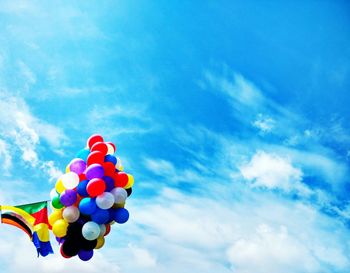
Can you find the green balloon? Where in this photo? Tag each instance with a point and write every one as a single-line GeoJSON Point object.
{"type": "Point", "coordinates": [56, 203]}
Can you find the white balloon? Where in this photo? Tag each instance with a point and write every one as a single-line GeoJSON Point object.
{"type": "Point", "coordinates": [91, 231]}
{"type": "Point", "coordinates": [70, 180]}
{"type": "Point", "coordinates": [71, 214]}
{"type": "Point", "coordinates": [110, 149]}
{"type": "Point", "coordinates": [102, 230]}
{"type": "Point", "coordinates": [53, 193]}
{"type": "Point", "coordinates": [118, 164]}
{"type": "Point", "coordinates": [105, 200]}
{"type": "Point", "coordinates": [120, 195]}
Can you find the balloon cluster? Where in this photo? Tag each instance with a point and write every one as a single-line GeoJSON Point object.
{"type": "Point", "coordinates": [89, 198]}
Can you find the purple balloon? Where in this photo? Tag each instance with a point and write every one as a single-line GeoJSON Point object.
{"type": "Point", "coordinates": [109, 183]}
{"type": "Point", "coordinates": [94, 171]}
{"type": "Point", "coordinates": [85, 255]}
{"type": "Point", "coordinates": [68, 197]}
{"type": "Point", "coordinates": [60, 240]}
{"type": "Point", "coordinates": [77, 165]}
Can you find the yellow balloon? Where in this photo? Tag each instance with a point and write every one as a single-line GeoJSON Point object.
{"type": "Point", "coordinates": [100, 242]}
{"type": "Point", "coordinates": [54, 216]}
{"type": "Point", "coordinates": [130, 182]}
{"type": "Point", "coordinates": [60, 228]}
{"type": "Point", "coordinates": [68, 168]}
{"type": "Point", "coordinates": [119, 205]}
{"type": "Point", "coordinates": [59, 186]}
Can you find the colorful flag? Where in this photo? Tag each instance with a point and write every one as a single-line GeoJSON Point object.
{"type": "Point", "coordinates": [32, 219]}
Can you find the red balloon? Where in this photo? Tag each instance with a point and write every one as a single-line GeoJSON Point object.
{"type": "Point", "coordinates": [93, 139]}
{"type": "Point", "coordinates": [95, 157]}
{"type": "Point", "coordinates": [76, 204]}
{"type": "Point", "coordinates": [95, 187]}
{"type": "Point", "coordinates": [108, 229]}
{"type": "Point", "coordinates": [109, 169]}
{"type": "Point", "coordinates": [101, 147]}
{"type": "Point", "coordinates": [63, 254]}
{"type": "Point", "coordinates": [82, 177]}
{"type": "Point", "coordinates": [120, 179]}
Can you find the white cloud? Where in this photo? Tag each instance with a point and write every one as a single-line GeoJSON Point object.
{"type": "Point", "coordinates": [21, 256]}
{"type": "Point", "coordinates": [142, 257]}
{"type": "Point", "coordinates": [273, 172]}
{"type": "Point", "coordinates": [249, 231]}
{"type": "Point", "coordinates": [273, 251]}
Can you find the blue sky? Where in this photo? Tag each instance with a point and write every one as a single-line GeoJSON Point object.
{"type": "Point", "coordinates": [232, 116]}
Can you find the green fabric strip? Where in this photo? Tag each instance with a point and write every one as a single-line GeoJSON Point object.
{"type": "Point", "coordinates": [33, 208]}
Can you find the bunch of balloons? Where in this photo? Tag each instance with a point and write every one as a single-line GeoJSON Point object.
{"type": "Point", "coordinates": [89, 198]}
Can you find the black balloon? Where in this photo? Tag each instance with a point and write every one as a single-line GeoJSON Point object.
{"type": "Point", "coordinates": [129, 191]}
{"type": "Point", "coordinates": [87, 244]}
{"type": "Point", "coordinates": [74, 228]}
{"type": "Point", "coordinates": [70, 248]}
{"type": "Point", "coordinates": [83, 219]}
{"type": "Point", "coordinates": [74, 233]}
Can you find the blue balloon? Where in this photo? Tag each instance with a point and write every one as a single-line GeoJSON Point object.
{"type": "Point", "coordinates": [83, 154]}
{"type": "Point", "coordinates": [87, 206]}
{"type": "Point", "coordinates": [111, 215]}
{"type": "Point", "coordinates": [111, 158]}
{"type": "Point", "coordinates": [109, 181]}
{"type": "Point", "coordinates": [100, 216]}
{"type": "Point", "coordinates": [81, 188]}
{"type": "Point", "coordinates": [121, 215]}
{"type": "Point", "coordinates": [85, 255]}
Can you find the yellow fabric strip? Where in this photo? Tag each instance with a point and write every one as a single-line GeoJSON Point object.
{"type": "Point", "coordinates": [26, 216]}
{"type": "Point", "coordinates": [43, 232]}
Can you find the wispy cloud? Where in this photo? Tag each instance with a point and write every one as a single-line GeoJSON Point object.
{"type": "Point", "coordinates": [27, 75]}
{"type": "Point", "coordinates": [264, 124]}
{"type": "Point", "coordinates": [237, 88]}
{"type": "Point", "coordinates": [169, 172]}
{"type": "Point", "coordinates": [22, 132]}
{"type": "Point", "coordinates": [251, 105]}
{"type": "Point", "coordinates": [5, 157]}
{"type": "Point", "coordinates": [307, 143]}
{"type": "Point", "coordinates": [133, 120]}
